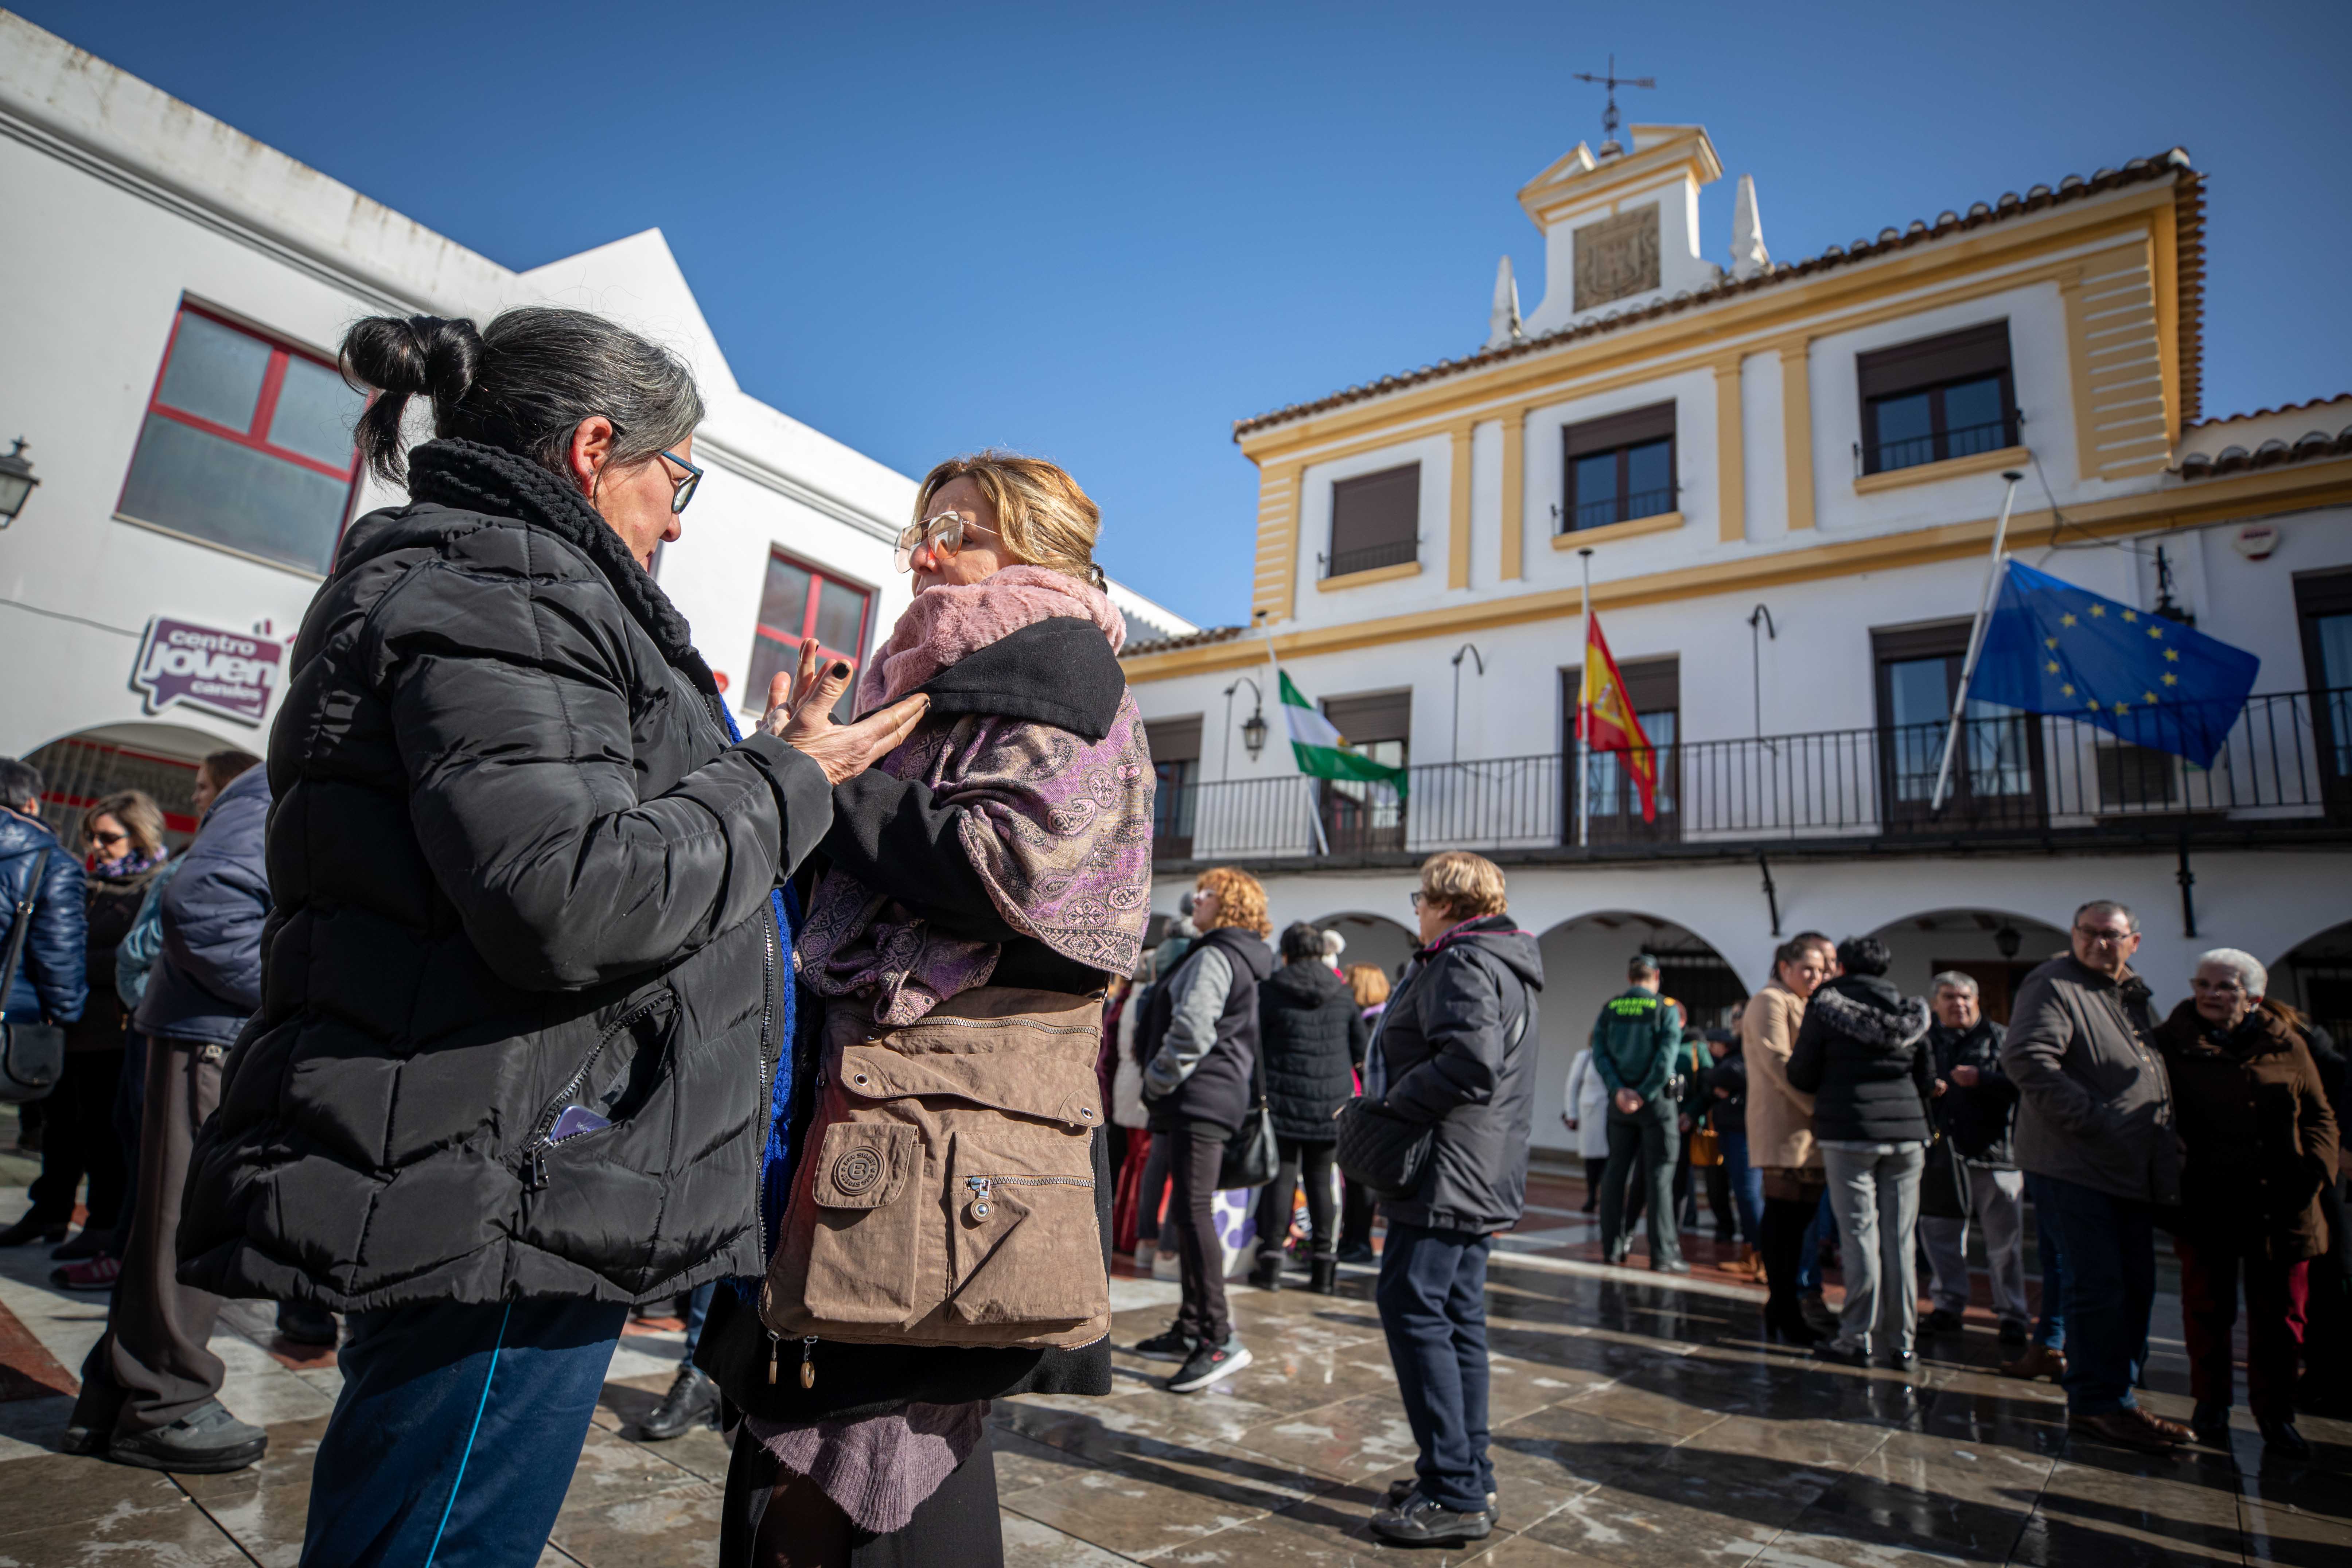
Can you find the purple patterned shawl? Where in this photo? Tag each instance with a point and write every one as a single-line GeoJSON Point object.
{"type": "Point", "coordinates": [1060, 832]}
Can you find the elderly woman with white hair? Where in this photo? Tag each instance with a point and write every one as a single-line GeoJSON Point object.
{"type": "Point", "coordinates": [2258, 1142]}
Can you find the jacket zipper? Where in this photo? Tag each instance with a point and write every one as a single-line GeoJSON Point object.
{"type": "Point", "coordinates": [995, 1024]}
{"type": "Point", "coordinates": [767, 1084]}
{"type": "Point", "coordinates": [535, 1151]}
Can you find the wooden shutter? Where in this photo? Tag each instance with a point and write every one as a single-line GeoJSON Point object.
{"type": "Point", "coordinates": [1626, 429]}
{"type": "Point", "coordinates": [1374, 510]}
{"type": "Point", "coordinates": [1954, 356]}
{"type": "Point", "coordinates": [1652, 685]}
{"type": "Point", "coordinates": [1173, 740]}
{"type": "Point", "coordinates": [1383, 716]}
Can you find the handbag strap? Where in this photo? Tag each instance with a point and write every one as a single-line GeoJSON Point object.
{"type": "Point", "coordinates": [21, 927]}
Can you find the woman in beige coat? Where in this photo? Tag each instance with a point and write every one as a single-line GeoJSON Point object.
{"type": "Point", "coordinates": [1781, 1127]}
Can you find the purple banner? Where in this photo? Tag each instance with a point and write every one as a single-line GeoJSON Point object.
{"type": "Point", "coordinates": [229, 673]}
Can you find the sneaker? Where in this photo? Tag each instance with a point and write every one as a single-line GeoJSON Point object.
{"type": "Point", "coordinates": [1943, 1321]}
{"type": "Point", "coordinates": [1399, 1490]}
{"type": "Point", "coordinates": [89, 1241]}
{"type": "Point", "coordinates": [208, 1441]}
{"type": "Point", "coordinates": [1167, 1266]}
{"type": "Point", "coordinates": [1173, 1345]}
{"type": "Point", "coordinates": [1671, 1265]}
{"type": "Point", "coordinates": [1422, 1521]}
{"type": "Point", "coordinates": [692, 1399]}
{"type": "Point", "coordinates": [1145, 1251]}
{"type": "Point", "coordinates": [1210, 1364]}
{"type": "Point", "coordinates": [98, 1274]}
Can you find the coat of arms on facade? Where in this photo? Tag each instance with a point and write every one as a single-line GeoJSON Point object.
{"type": "Point", "coordinates": [1616, 256]}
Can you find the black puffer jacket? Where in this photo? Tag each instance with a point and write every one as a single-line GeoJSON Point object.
{"type": "Point", "coordinates": [1862, 1053]}
{"type": "Point", "coordinates": [50, 982]}
{"type": "Point", "coordinates": [516, 866]}
{"type": "Point", "coordinates": [1310, 1036]}
{"type": "Point", "coordinates": [1213, 1060]}
{"type": "Point", "coordinates": [1981, 1119]}
{"type": "Point", "coordinates": [1458, 1043]}
{"type": "Point", "coordinates": [206, 981]}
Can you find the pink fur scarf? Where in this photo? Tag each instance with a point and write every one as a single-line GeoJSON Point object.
{"type": "Point", "coordinates": [947, 623]}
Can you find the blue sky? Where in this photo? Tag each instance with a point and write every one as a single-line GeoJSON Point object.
{"type": "Point", "coordinates": [1102, 233]}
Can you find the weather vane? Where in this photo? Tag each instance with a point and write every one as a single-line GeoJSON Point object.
{"type": "Point", "coordinates": [1612, 81]}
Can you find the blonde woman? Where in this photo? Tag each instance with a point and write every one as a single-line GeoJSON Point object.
{"type": "Point", "coordinates": [1199, 1039]}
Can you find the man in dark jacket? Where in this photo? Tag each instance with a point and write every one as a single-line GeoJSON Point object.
{"type": "Point", "coordinates": [1310, 1038]}
{"type": "Point", "coordinates": [1977, 1108]}
{"type": "Point", "coordinates": [512, 1072]}
{"type": "Point", "coordinates": [1457, 1048]}
{"type": "Point", "coordinates": [2095, 1126]}
{"type": "Point", "coordinates": [36, 870]}
{"type": "Point", "coordinates": [149, 1387]}
{"type": "Point", "coordinates": [1636, 1042]}
{"type": "Point", "coordinates": [1198, 1038]}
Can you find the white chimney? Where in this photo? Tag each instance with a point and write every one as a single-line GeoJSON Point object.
{"type": "Point", "coordinates": [1748, 256]}
{"type": "Point", "coordinates": [1503, 321]}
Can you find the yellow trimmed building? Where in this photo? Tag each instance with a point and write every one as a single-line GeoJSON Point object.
{"type": "Point", "coordinates": [1787, 475]}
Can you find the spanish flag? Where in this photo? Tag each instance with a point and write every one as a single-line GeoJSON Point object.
{"type": "Point", "coordinates": [1608, 720]}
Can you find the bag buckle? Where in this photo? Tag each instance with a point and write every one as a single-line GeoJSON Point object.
{"type": "Point", "coordinates": [978, 1208]}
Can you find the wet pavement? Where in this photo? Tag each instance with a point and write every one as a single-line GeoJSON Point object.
{"type": "Point", "coordinates": [1636, 1420]}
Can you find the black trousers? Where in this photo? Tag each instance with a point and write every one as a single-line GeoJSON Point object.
{"type": "Point", "coordinates": [1592, 1170]}
{"type": "Point", "coordinates": [1782, 1246]}
{"type": "Point", "coordinates": [1355, 1214]}
{"type": "Point", "coordinates": [1276, 1203]}
{"type": "Point", "coordinates": [79, 1140]}
{"type": "Point", "coordinates": [1644, 1141]}
{"type": "Point", "coordinates": [1196, 1150]}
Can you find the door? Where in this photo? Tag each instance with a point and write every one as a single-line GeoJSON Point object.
{"type": "Point", "coordinates": [2323, 603]}
{"type": "Point", "coordinates": [1997, 771]}
{"type": "Point", "coordinates": [1361, 818]}
{"type": "Point", "coordinates": [1654, 688]}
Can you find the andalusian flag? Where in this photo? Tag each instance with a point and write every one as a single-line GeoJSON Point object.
{"type": "Point", "coordinates": [1609, 721]}
{"type": "Point", "coordinates": [1322, 752]}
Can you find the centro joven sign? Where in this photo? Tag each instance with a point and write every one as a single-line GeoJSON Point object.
{"type": "Point", "coordinates": [229, 673]}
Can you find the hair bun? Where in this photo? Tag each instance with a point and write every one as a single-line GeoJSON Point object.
{"type": "Point", "coordinates": [426, 356]}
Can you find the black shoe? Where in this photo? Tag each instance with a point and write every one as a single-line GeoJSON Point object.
{"type": "Point", "coordinates": [1901, 1361]}
{"type": "Point", "coordinates": [307, 1323]}
{"type": "Point", "coordinates": [1210, 1364]}
{"type": "Point", "coordinates": [81, 1441]}
{"type": "Point", "coordinates": [1357, 1252]}
{"type": "Point", "coordinates": [1399, 1490]}
{"type": "Point", "coordinates": [1173, 1345]}
{"type": "Point", "coordinates": [1323, 1277]}
{"type": "Point", "coordinates": [2013, 1332]}
{"type": "Point", "coordinates": [1267, 1272]}
{"type": "Point", "coordinates": [1942, 1321]}
{"type": "Point", "coordinates": [1831, 1351]}
{"type": "Point", "coordinates": [89, 1241]}
{"type": "Point", "coordinates": [207, 1442]}
{"type": "Point", "coordinates": [2280, 1438]}
{"type": "Point", "coordinates": [692, 1399]}
{"type": "Point", "coordinates": [1422, 1521]}
{"type": "Point", "coordinates": [1817, 1314]}
{"type": "Point", "coordinates": [34, 1227]}
{"type": "Point", "coordinates": [1788, 1327]}
{"type": "Point", "coordinates": [1616, 1256]}
{"type": "Point", "coordinates": [2211, 1425]}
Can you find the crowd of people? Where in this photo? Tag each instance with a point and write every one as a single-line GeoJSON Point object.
{"type": "Point", "coordinates": [520, 990]}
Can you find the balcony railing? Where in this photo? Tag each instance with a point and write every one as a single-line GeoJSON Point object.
{"type": "Point", "coordinates": [2287, 761]}
{"type": "Point", "coordinates": [1960, 441]}
{"type": "Point", "coordinates": [1371, 557]}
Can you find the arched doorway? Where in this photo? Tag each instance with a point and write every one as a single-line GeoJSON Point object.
{"type": "Point", "coordinates": [1996, 949]}
{"type": "Point", "coordinates": [159, 759]}
{"type": "Point", "coordinates": [1584, 962]}
{"type": "Point", "coordinates": [2316, 976]}
{"type": "Point", "coordinates": [1380, 943]}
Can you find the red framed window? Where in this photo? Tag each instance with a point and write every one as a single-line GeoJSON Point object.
{"type": "Point", "coordinates": [247, 445]}
{"type": "Point", "coordinates": [800, 601]}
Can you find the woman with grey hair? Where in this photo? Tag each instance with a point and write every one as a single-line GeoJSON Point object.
{"type": "Point", "coordinates": [527, 977]}
{"type": "Point", "coordinates": [2258, 1144]}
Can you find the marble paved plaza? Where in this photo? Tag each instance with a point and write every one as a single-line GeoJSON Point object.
{"type": "Point", "coordinates": [1632, 1424]}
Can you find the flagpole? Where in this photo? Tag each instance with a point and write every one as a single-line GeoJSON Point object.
{"type": "Point", "coordinates": [1314, 817]}
{"type": "Point", "coordinates": [1976, 644]}
{"type": "Point", "coordinates": [1584, 711]}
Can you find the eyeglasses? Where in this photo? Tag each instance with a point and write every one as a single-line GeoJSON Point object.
{"type": "Point", "coordinates": [1417, 898]}
{"type": "Point", "coordinates": [945, 533]}
{"type": "Point", "coordinates": [680, 491]}
{"type": "Point", "coordinates": [2110, 938]}
{"type": "Point", "coordinates": [97, 835]}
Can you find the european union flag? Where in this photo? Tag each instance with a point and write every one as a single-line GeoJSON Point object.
{"type": "Point", "coordinates": [2052, 648]}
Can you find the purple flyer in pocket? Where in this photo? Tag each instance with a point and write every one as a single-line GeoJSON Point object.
{"type": "Point", "coordinates": [575, 1119]}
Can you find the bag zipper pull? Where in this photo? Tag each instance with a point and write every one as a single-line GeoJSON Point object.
{"type": "Point", "coordinates": [535, 1171]}
{"type": "Point", "coordinates": [979, 1185]}
{"type": "Point", "coordinates": [808, 1367]}
{"type": "Point", "coordinates": [773, 1352]}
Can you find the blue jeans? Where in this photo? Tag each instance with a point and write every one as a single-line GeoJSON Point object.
{"type": "Point", "coordinates": [2050, 1331]}
{"type": "Point", "coordinates": [457, 1433]}
{"type": "Point", "coordinates": [2109, 1245]}
{"type": "Point", "coordinates": [698, 1306]}
{"type": "Point", "coordinates": [1808, 1265]}
{"type": "Point", "coordinates": [1432, 1301]}
{"type": "Point", "coordinates": [1747, 1187]}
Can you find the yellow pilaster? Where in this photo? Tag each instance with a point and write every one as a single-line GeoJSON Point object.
{"type": "Point", "coordinates": [1457, 537]}
{"type": "Point", "coordinates": [1515, 475]}
{"type": "Point", "coordinates": [1797, 429]}
{"type": "Point", "coordinates": [1730, 455]}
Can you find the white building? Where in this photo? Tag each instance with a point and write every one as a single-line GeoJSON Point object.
{"type": "Point", "coordinates": [171, 298]}
{"type": "Point", "coordinates": [1788, 477]}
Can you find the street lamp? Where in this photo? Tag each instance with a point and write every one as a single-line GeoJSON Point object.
{"type": "Point", "coordinates": [17, 482]}
{"type": "Point", "coordinates": [1253, 728]}
{"type": "Point", "coordinates": [1453, 753]}
{"type": "Point", "coordinates": [2008, 939]}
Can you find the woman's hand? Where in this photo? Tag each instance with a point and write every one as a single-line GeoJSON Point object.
{"type": "Point", "coordinates": [799, 712]}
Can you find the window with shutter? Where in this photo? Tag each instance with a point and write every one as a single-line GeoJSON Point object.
{"type": "Point", "coordinates": [1175, 746]}
{"type": "Point", "coordinates": [1375, 521]}
{"type": "Point", "coordinates": [1359, 818]}
{"type": "Point", "coordinates": [1654, 686]}
{"type": "Point", "coordinates": [1618, 468]}
{"type": "Point", "coordinates": [1948, 396]}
